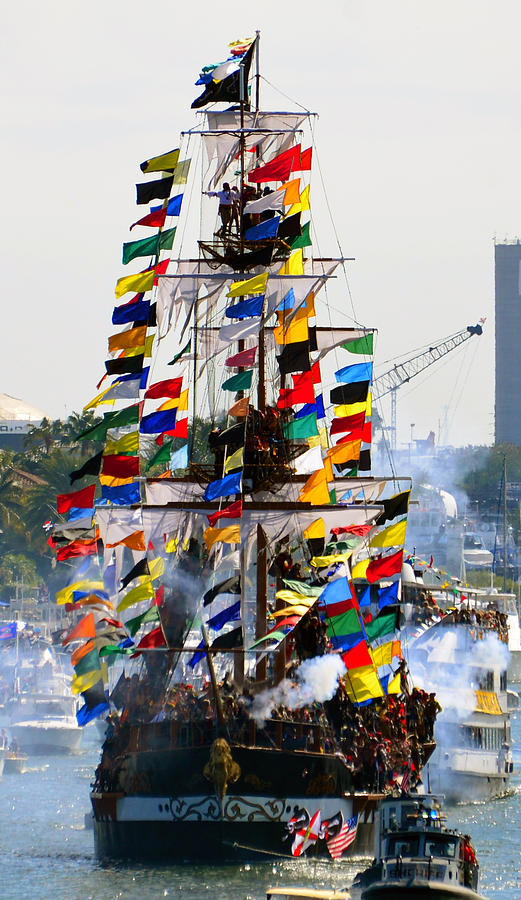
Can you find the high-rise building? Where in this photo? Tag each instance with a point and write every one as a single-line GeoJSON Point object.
{"type": "Point", "coordinates": [508, 343]}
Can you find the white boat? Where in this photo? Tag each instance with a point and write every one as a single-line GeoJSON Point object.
{"type": "Point", "coordinates": [416, 856]}
{"type": "Point", "coordinates": [464, 658]}
{"type": "Point", "coordinates": [288, 893]}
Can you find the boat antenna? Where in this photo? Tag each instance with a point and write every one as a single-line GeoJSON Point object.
{"type": "Point", "coordinates": [257, 67]}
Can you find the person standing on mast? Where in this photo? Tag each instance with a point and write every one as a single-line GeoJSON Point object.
{"type": "Point", "coordinates": [226, 202]}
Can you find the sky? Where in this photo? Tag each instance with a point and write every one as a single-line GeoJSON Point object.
{"type": "Point", "coordinates": [419, 147]}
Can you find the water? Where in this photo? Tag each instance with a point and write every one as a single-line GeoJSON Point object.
{"type": "Point", "coordinates": [47, 853]}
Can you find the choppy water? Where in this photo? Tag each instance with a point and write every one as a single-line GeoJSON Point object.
{"type": "Point", "coordinates": [47, 854]}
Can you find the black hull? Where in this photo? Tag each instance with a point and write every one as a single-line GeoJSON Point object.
{"type": "Point", "coordinates": [420, 891]}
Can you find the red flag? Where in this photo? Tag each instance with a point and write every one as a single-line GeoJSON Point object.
{"type": "Point", "coordinates": [315, 373]}
{"type": "Point", "coordinates": [234, 511]}
{"type": "Point", "coordinates": [118, 466]}
{"type": "Point", "coordinates": [115, 622]}
{"type": "Point", "coordinates": [83, 499]}
{"type": "Point", "coordinates": [171, 388]}
{"type": "Point", "coordinates": [279, 168]}
{"type": "Point", "coordinates": [301, 392]}
{"type": "Point", "coordinates": [305, 160]}
{"type": "Point", "coordinates": [160, 596]}
{"type": "Point", "coordinates": [154, 638]}
{"type": "Point", "coordinates": [357, 657]}
{"type": "Point", "coordinates": [161, 268]}
{"type": "Point", "coordinates": [77, 548]}
{"type": "Point", "coordinates": [384, 567]}
{"type": "Point", "coordinates": [180, 430]}
{"type": "Point", "coordinates": [84, 629]}
{"type": "Point", "coordinates": [343, 606]}
{"type": "Point", "coordinates": [244, 358]}
{"type": "Point", "coordinates": [155, 219]}
{"type": "Point", "coordinates": [359, 434]}
{"type": "Point", "coordinates": [359, 530]}
{"type": "Point", "coordinates": [347, 423]}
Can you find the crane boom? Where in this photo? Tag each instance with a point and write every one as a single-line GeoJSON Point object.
{"type": "Point", "coordinates": [401, 373]}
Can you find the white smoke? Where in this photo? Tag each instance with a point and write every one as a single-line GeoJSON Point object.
{"type": "Point", "coordinates": [315, 681]}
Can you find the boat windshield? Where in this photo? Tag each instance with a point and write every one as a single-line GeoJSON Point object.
{"type": "Point", "coordinates": [440, 846]}
{"type": "Point", "coordinates": [403, 846]}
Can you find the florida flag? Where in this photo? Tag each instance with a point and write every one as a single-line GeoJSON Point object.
{"type": "Point", "coordinates": [306, 836]}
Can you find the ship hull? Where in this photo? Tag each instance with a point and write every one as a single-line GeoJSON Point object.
{"type": "Point", "coordinates": [42, 738]}
{"type": "Point", "coordinates": [467, 787]}
{"type": "Point", "coordinates": [418, 891]}
{"type": "Point", "coordinates": [201, 829]}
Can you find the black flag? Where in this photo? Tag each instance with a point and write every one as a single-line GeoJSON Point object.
{"type": "Point", "coordinates": [229, 89]}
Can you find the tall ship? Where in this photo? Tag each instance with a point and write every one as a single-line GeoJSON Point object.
{"type": "Point", "coordinates": [236, 606]}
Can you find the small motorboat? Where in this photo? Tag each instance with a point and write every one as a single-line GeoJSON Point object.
{"type": "Point", "coordinates": [14, 763]}
{"type": "Point", "coordinates": [288, 893]}
{"type": "Point", "coordinates": [417, 856]}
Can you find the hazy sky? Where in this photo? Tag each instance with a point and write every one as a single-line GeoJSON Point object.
{"type": "Point", "coordinates": [419, 144]}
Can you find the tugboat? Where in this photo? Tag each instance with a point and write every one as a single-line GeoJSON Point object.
{"type": "Point", "coordinates": [416, 856]}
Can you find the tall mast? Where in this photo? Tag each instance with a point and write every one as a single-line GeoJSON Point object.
{"type": "Point", "coordinates": [505, 524]}
{"type": "Point", "coordinates": [257, 75]}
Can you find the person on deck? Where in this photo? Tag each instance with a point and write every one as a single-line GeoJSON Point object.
{"type": "Point", "coordinates": [226, 204]}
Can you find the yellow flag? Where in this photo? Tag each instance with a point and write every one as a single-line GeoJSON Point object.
{"type": "Point", "coordinates": [143, 281]}
{"type": "Point", "coordinates": [255, 285]}
{"type": "Point", "coordinates": [181, 171]}
{"type": "Point", "coordinates": [319, 439]}
{"type": "Point", "coordinates": [294, 265]}
{"type": "Point", "coordinates": [302, 204]}
{"type": "Point", "coordinates": [229, 535]}
{"type": "Point", "coordinates": [360, 569]}
{"type": "Point", "coordinates": [161, 163]}
{"type": "Point", "coordinates": [65, 594]}
{"type": "Point", "coordinates": [84, 682]}
{"type": "Point", "coordinates": [124, 340]}
{"type": "Point", "coordinates": [320, 562]}
{"type": "Point", "coordinates": [363, 684]}
{"type": "Point", "coordinates": [99, 399]}
{"type": "Point", "coordinates": [156, 567]}
{"type": "Point", "coordinates": [385, 653]}
{"type": "Point", "coordinates": [234, 461]}
{"type": "Point", "coordinates": [171, 545]}
{"type": "Point", "coordinates": [291, 191]}
{"type": "Point", "coordinates": [180, 403]}
{"type": "Point", "coordinates": [395, 686]}
{"type": "Point", "coordinates": [141, 592]}
{"type": "Point", "coordinates": [112, 481]}
{"type": "Point", "coordinates": [328, 468]}
{"type": "Point", "coordinates": [297, 330]}
{"type": "Point", "coordinates": [310, 304]}
{"type": "Point", "coordinates": [294, 597]}
{"type": "Point", "coordinates": [128, 444]}
{"type": "Point", "coordinates": [296, 610]}
{"type": "Point", "coordinates": [342, 453]}
{"type": "Point", "coordinates": [315, 490]}
{"type": "Point", "coordinates": [353, 409]}
{"type": "Point", "coordinates": [145, 348]}
{"type": "Point", "coordinates": [390, 537]}
{"type": "Point", "coordinates": [317, 529]}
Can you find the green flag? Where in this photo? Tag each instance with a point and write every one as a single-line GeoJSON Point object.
{"type": "Point", "coordinates": [361, 345]}
{"type": "Point", "coordinates": [240, 382]}
{"type": "Point", "coordinates": [98, 432]}
{"type": "Point", "coordinates": [150, 246]}
{"type": "Point", "coordinates": [301, 428]}
{"type": "Point", "coordinates": [181, 353]}
{"type": "Point", "coordinates": [381, 626]}
{"type": "Point", "coordinates": [88, 663]}
{"type": "Point", "coordinates": [133, 625]}
{"type": "Point", "coordinates": [113, 650]}
{"type": "Point", "coordinates": [303, 240]}
{"type": "Point", "coordinates": [162, 456]}
{"type": "Point", "coordinates": [345, 623]}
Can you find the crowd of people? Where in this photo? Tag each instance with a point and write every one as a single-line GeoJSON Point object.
{"type": "Point", "coordinates": [231, 206]}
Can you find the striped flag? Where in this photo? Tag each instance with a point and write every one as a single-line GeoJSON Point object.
{"type": "Point", "coordinates": [405, 781]}
{"type": "Point", "coordinates": [306, 836]}
{"type": "Point", "coordinates": [339, 842]}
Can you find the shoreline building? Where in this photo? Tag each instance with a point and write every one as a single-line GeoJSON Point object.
{"type": "Point", "coordinates": [508, 337]}
{"type": "Point", "coordinates": [16, 417]}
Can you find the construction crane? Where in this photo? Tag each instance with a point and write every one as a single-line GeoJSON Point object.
{"type": "Point", "coordinates": [401, 373]}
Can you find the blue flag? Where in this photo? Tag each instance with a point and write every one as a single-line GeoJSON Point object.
{"type": "Point", "coordinates": [158, 422]}
{"type": "Point", "coordinates": [231, 614]}
{"type": "Point", "coordinates": [358, 372]}
{"type": "Point", "coordinates": [223, 487]}
{"type": "Point", "coordinates": [77, 512]}
{"type": "Point", "coordinates": [267, 229]}
{"type": "Point", "coordinates": [8, 631]}
{"type": "Point", "coordinates": [142, 377]}
{"type": "Point", "coordinates": [173, 208]}
{"type": "Point", "coordinates": [86, 713]}
{"type": "Point", "coordinates": [80, 595]}
{"type": "Point", "coordinates": [196, 657]}
{"type": "Point", "coordinates": [246, 308]}
{"type": "Point", "coordinates": [316, 407]}
{"type": "Point", "coordinates": [388, 595]}
{"type": "Point", "coordinates": [179, 458]}
{"type": "Point", "coordinates": [287, 302]}
{"type": "Point", "coordinates": [122, 496]}
{"type": "Point", "coordinates": [335, 592]}
{"type": "Point", "coordinates": [365, 599]}
{"type": "Point", "coordinates": [131, 312]}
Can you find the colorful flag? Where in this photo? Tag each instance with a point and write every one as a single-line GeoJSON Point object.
{"type": "Point", "coordinates": [158, 422]}
{"type": "Point", "coordinates": [294, 358]}
{"type": "Point", "coordinates": [240, 408]}
{"type": "Point", "coordinates": [246, 308]}
{"type": "Point", "coordinates": [151, 190]}
{"type": "Point", "coordinates": [133, 625]}
{"type": "Point", "coordinates": [7, 631]}
{"type": "Point", "coordinates": [307, 836]}
{"type": "Point", "coordinates": [122, 496]}
{"type": "Point", "coordinates": [154, 219]}
{"type": "Point", "coordinates": [77, 548]}
{"type": "Point", "coordinates": [240, 382]}
{"type": "Point", "coordinates": [229, 586]}
{"type": "Point", "coordinates": [234, 461]}
{"type": "Point", "coordinates": [243, 358]}
{"type": "Point", "coordinates": [392, 536]}
{"type": "Point", "coordinates": [83, 499]}
{"type": "Point", "coordinates": [254, 285]}
{"type": "Point", "coordinates": [179, 459]}
{"type": "Point", "coordinates": [315, 490]}
{"type": "Point", "coordinates": [134, 541]}
{"type": "Point", "coordinates": [119, 466]}
{"type": "Point", "coordinates": [171, 387]}
{"type": "Point", "coordinates": [299, 429]}
{"type": "Point", "coordinates": [360, 372]}
{"type": "Point", "coordinates": [233, 511]}
{"type": "Point", "coordinates": [394, 506]}
{"type": "Point", "coordinates": [84, 629]}
{"type": "Point", "coordinates": [362, 345]}
{"type": "Point", "coordinates": [279, 168]}
{"type": "Point", "coordinates": [231, 534]}
{"type": "Point", "coordinates": [224, 487]}
{"type": "Point", "coordinates": [163, 163]}
{"type": "Point", "coordinates": [231, 88]}
{"type": "Point", "coordinates": [91, 467]}
{"type": "Point", "coordinates": [346, 394]}
{"type": "Point", "coordinates": [144, 591]}
{"type": "Point", "coordinates": [339, 840]}
{"type": "Point", "coordinates": [150, 246]}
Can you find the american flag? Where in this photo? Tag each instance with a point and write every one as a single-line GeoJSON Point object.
{"type": "Point", "coordinates": [405, 782]}
{"type": "Point", "coordinates": [343, 838]}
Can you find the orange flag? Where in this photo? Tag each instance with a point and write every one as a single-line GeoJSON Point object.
{"type": "Point", "coordinates": [342, 453]}
{"type": "Point", "coordinates": [84, 629]}
{"type": "Point", "coordinates": [81, 652]}
{"type": "Point", "coordinates": [124, 340]}
{"type": "Point", "coordinates": [89, 601]}
{"type": "Point", "coordinates": [134, 541]}
{"type": "Point", "coordinates": [240, 408]}
{"type": "Point", "coordinates": [315, 489]}
{"type": "Point", "coordinates": [229, 535]}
